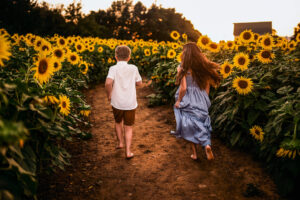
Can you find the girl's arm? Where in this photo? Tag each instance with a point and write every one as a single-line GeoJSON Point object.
{"type": "Point", "coordinates": [182, 91]}
{"type": "Point", "coordinates": [207, 88]}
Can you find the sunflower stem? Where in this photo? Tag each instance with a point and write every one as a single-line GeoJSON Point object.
{"type": "Point", "coordinates": [55, 113]}
{"type": "Point", "coordinates": [295, 129]}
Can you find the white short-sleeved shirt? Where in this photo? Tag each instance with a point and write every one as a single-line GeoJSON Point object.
{"type": "Point", "coordinates": [125, 76]}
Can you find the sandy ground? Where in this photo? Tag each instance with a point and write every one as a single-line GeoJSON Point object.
{"type": "Point", "coordinates": [162, 167]}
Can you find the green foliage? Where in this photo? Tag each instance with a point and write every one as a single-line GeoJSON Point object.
{"type": "Point", "coordinates": [32, 132]}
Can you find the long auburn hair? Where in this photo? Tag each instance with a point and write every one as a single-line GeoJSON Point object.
{"type": "Point", "coordinates": [203, 70]}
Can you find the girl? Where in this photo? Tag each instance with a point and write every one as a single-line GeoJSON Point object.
{"type": "Point", "coordinates": [195, 75]}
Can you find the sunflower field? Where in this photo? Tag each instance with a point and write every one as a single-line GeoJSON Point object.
{"type": "Point", "coordinates": [42, 105]}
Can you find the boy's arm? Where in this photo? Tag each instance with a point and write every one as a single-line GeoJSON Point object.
{"type": "Point", "coordinates": [108, 87]}
{"type": "Point", "coordinates": [182, 91]}
{"type": "Point", "coordinates": [139, 83]}
{"type": "Point", "coordinates": [138, 78]}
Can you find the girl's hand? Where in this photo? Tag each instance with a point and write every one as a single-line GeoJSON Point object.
{"type": "Point", "coordinates": [177, 104]}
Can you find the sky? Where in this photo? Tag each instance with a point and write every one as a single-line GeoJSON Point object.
{"type": "Point", "coordinates": [215, 18]}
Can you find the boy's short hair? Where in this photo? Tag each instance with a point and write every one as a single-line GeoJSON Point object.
{"type": "Point", "coordinates": [122, 52]}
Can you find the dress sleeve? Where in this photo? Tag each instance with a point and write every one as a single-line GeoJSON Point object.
{"type": "Point", "coordinates": [111, 73]}
{"type": "Point", "coordinates": [137, 76]}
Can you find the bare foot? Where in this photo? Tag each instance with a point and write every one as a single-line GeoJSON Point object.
{"type": "Point", "coordinates": [209, 153]}
{"type": "Point", "coordinates": [129, 156]}
{"type": "Point", "coordinates": [194, 157]}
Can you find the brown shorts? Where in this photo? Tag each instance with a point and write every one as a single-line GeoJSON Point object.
{"type": "Point", "coordinates": [127, 115]}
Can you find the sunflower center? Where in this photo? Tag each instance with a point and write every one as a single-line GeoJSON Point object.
{"type": "Point", "coordinates": [255, 37]}
{"type": "Point", "coordinates": [43, 66]}
{"type": "Point", "coordinates": [79, 47]}
{"type": "Point", "coordinates": [55, 65]}
{"type": "Point", "coordinates": [251, 57]}
{"type": "Point", "coordinates": [227, 69]}
{"type": "Point", "coordinates": [229, 44]}
{"type": "Point", "coordinates": [241, 60]}
{"type": "Point", "coordinates": [45, 48]}
{"type": "Point", "coordinates": [204, 41]}
{"type": "Point", "coordinates": [291, 45]}
{"type": "Point", "coordinates": [243, 84]}
{"type": "Point", "coordinates": [38, 43]}
{"type": "Point", "coordinates": [257, 132]}
{"type": "Point", "coordinates": [267, 42]}
{"type": "Point", "coordinates": [266, 54]}
{"type": "Point", "coordinates": [213, 46]}
{"type": "Point", "coordinates": [64, 105]}
{"type": "Point", "coordinates": [73, 57]}
{"type": "Point", "coordinates": [247, 36]}
{"type": "Point", "coordinates": [62, 42]}
{"type": "Point", "coordinates": [58, 53]}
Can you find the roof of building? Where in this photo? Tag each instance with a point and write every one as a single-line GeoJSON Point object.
{"type": "Point", "coordinates": [257, 27]}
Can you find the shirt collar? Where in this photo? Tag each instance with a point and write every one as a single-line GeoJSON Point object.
{"type": "Point", "coordinates": [121, 62]}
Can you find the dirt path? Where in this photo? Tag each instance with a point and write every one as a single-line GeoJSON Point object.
{"type": "Point", "coordinates": [161, 168]}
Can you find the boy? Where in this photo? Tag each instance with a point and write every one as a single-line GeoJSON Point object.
{"type": "Point", "coordinates": [121, 92]}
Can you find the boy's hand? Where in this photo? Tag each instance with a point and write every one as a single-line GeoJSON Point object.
{"type": "Point", "coordinates": [177, 104]}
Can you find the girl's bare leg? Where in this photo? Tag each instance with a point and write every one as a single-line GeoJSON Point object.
{"type": "Point", "coordinates": [209, 154]}
{"type": "Point", "coordinates": [194, 155]}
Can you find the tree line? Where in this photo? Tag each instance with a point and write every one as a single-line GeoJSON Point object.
{"type": "Point", "coordinates": [122, 20]}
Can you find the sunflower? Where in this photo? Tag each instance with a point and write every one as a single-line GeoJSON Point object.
{"type": "Point", "coordinates": [257, 133]}
{"type": "Point", "coordinates": [246, 36]}
{"type": "Point", "coordinates": [266, 42]}
{"type": "Point", "coordinates": [84, 67]}
{"type": "Point", "coordinates": [45, 48]}
{"type": "Point", "coordinates": [251, 57]}
{"type": "Point", "coordinates": [43, 68]}
{"type": "Point", "coordinates": [242, 85]}
{"type": "Point", "coordinates": [229, 45]}
{"type": "Point", "coordinates": [4, 49]}
{"type": "Point", "coordinates": [59, 54]}
{"type": "Point", "coordinates": [175, 45]}
{"type": "Point", "coordinates": [184, 36]}
{"type": "Point", "coordinates": [70, 41]}
{"type": "Point", "coordinates": [226, 69]}
{"type": "Point", "coordinates": [56, 65]}
{"type": "Point", "coordinates": [175, 35]}
{"type": "Point", "coordinates": [241, 60]}
{"type": "Point", "coordinates": [282, 152]}
{"type": "Point", "coordinates": [73, 58]}
{"type": "Point", "coordinates": [154, 50]}
{"type": "Point", "coordinates": [79, 47]}
{"type": "Point", "coordinates": [85, 113]}
{"type": "Point", "coordinates": [171, 54]}
{"type": "Point", "coordinates": [213, 47]}
{"type": "Point", "coordinates": [100, 49]}
{"type": "Point", "coordinates": [297, 38]}
{"type": "Point", "coordinates": [61, 42]}
{"type": "Point", "coordinates": [178, 58]}
{"type": "Point", "coordinates": [147, 52]}
{"type": "Point", "coordinates": [292, 45]}
{"type": "Point", "coordinates": [64, 104]}
{"type": "Point", "coordinates": [203, 41]}
{"type": "Point", "coordinates": [265, 56]}
{"type": "Point", "coordinates": [50, 100]}
{"type": "Point", "coordinates": [284, 45]}
{"type": "Point", "coordinates": [91, 48]}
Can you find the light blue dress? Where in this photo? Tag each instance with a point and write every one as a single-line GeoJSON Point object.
{"type": "Point", "coordinates": [192, 118]}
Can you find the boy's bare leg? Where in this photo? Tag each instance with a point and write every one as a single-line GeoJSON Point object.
{"type": "Point", "coordinates": [194, 155]}
{"type": "Point", "coordinates": [128, 139]}
{"type": "Point", "coordinates": [120, 136]}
